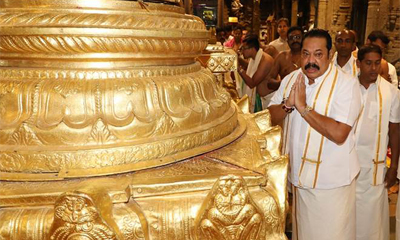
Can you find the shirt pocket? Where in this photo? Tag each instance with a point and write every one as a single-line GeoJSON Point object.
{"type": "Point", "coordinates": [373, 111]}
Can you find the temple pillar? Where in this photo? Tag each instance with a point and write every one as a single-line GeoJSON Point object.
{"type": "Point", "coordinates": [340, 17]}
{"type": "Point", "coordinates": [322, 14]}
{"type": "Point", "coordinates": [188, 4]}
{"type": "Point", "coordinates": [256, 17]}
{"type": "Point", "coordinates": [372, 16]}
{"type": "Point", "coordinates": [295, 5]}
{"type": "Point", "coordinates": [220, 14]}
{"type": "Point", "coordinates": [384, 15]}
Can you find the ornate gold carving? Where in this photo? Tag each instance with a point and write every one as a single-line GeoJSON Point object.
{"type": "Point", "coordinates": [121, 159]}
{"type": "Point", "coordinates": [138, 21]}
{"type": "Point", "coordinates": [25, 223]}
{"type": "Point", "coordinates": [24, 136]}
{"type": "Point", "coordinates": [76, 217]}
{"type": "Point", "coordinates": [73, 74]}
{"type": "Point", "coordinates": [78, 44]}
{"type": "Point", "coordinates": [230, 213]}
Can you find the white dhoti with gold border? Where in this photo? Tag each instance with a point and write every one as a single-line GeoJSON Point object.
{"type": "Point", "coordinates": [372, 208]}
{"type": "Point", "coordinates": [324, 214]}
{"type": "Point", "coordinates": [398, 218]}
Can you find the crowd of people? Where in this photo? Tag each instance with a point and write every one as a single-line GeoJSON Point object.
{"type": "Point", "coordinates": [340, 113]}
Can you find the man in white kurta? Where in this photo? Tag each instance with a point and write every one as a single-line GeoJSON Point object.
{"type": "Point", "coordinates": [320, 104]}
{"type": "Point", "coordinates": [281, 43]}
{"type": "Point", "coordinates": [345, 44]}
{"type": "Point", "coordinates": [378, 123]}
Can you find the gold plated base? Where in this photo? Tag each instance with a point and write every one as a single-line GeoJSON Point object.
{"type": "Point", "coordinates": [204, 197]}
{"type": "Point", "coordinates": [110, 129]}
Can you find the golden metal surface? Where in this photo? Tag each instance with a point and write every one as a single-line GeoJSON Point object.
{"type": "Point", "coordinates": [110, 129]}
{"type": "Point", "coordinates": [222, 63]}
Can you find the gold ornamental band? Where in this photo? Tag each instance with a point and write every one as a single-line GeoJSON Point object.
{"type": "Point", "coordinates": [56, 165]}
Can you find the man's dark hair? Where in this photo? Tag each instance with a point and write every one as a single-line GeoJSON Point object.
{"type": "Point", "coordinates": [217, 30]}
{"type": "Point", "coordinates": [375, 35]}
{"type": "Point", "coordinates": [251, 41]}
{"type": "Point", "coordinates": [238, 27]}
{"type": "Point", "coordinates": [319, 33]}
{"type": "Point", "coordinates": [368, 49]}
{"type": "Point", "coordinates": [228, 28]}
{"type": "Point", "coordinates": [294, 28]}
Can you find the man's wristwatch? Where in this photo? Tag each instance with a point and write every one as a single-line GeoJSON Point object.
{"type": "Point", "coordinates": [306, 111]}
{"type": "Point", "coordinates": [286, 108]}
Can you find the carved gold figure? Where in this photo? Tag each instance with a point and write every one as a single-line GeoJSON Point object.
{"type": "Point", "coordinates": [110, 129]}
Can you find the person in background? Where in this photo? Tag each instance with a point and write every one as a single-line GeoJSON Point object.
{"type": "Point", "coordinates": [380, 39]}
{"type": "Point", "coordinates": [281, 43]}
{"type": "Point", "coordinates": [345, 43]}
{"type": "Point", "coordinates": [221, 35]}
{"type": "Point", "coordinates": [236, 41]}
{"type": "Point", "coordinates": [253, 71]}
{"type": "Point", "coordinates": [378, 124]}
{"type": "Point", "coordinates": [285, 63]}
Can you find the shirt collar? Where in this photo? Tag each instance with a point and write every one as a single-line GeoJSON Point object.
{"type": "Point", "coordinates": [318, 79]}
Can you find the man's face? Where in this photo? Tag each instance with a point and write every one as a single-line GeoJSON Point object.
{"type": "Point", "coordinates": [245, 50]}
{"type": "Point", "coordinates": [370, 66]}
{"type": "Point", "coordinates": [294, 40]}
{"type": "Point", "coordinates": [237, 34]}
{"type": "Point", "coordinates": [344, 43]}
{"type": "Point", "coordinates": [221, 36]}
{"type": "Point", "coordinates": [282, 29]}
{"type": "Point", "coordinates": [314, 57]}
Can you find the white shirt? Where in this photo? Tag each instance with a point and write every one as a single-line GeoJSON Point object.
{"type": "Point", "coordinates": [339, 162]}
{"type": "Point", "coordinates": [280, 44]}
{"type": "Point", "coordinates": [393, 75]}
{"type": "Point", "coordinates": [350, 67]}
{"type": "Point", "coordinates": [368, 124]}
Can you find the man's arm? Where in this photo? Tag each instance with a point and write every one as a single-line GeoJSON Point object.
{"type": "Point", "coordinates": [272, 78]}
{"type": "Point", "coordinates": [335, 131]}
{"type": "Point", "coordinates": [277, 112]}
{"type": "Point", "coordinates": [262, 71]}
{"type": "Point", "coordinates": [243, 63]}
{"type": "Point", "coordinates": [394, 136]}
{"type": "Point", "coordinates": [263, 88]}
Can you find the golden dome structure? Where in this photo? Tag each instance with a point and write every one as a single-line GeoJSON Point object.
{"type": "Point", "coordinates": [110, 129]}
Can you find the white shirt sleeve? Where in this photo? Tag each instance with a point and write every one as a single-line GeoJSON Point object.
{"type": "Point", "coordinates": [395, 106]}
{"type": "Point", "coordinates": [393, 75]}
{"type": "Point", "coordinates": [347, 103]}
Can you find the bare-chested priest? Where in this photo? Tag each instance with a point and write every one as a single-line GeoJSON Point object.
{"type": "Point", "coordinates": [285, 63]}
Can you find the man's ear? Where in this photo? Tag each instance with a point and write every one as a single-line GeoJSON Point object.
{"type": "Point", "coordinates": [368, 41]}
{"type": "Point", "coordinates": [358, 63]}
{"type": "Point", "coordinates": [331, 53]}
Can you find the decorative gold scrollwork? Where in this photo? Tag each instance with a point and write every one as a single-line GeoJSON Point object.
{"type": "Point", "coordinates": [229, 212]}
{"type": "Point", "coordinates": [76, 217]}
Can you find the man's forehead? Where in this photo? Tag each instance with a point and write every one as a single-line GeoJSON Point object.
{"type": "Point", "coordinates": [315, 43]}
{"type": "Point", "coordinates": [282, 23]}
{"type": "Point", "coordinates": [343, 35]}
{"type": "Point", "coordinates": [295, 32]}
{"type": "Point", "coordinates": [372, 56]}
